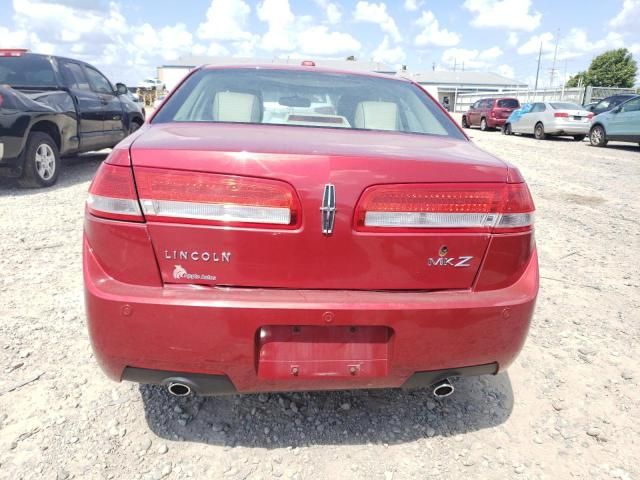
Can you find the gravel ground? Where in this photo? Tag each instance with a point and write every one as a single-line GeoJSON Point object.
{"type": "Point", "coordinates": [569, 406]}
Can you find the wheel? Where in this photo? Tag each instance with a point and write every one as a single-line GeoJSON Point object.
{"type": "Point", "coordinates": [506, 130]}
{"type": "Point", "coordinates": [579, 138]}
{"type": "Point", "coordinates": [41, 162]}
{"type": "Point", "coordinates": [598, 137]}
{"type": "Point", "coordinates": [538, 132]}
{"type": "Point", "coordinates": [135, 125]}
{"type": "Point", "coordinates": [483, 125]}
{"type": "Point", "coordinates": [465, 124]}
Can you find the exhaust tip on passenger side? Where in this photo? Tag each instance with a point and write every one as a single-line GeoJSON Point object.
{"type": "Point", "coordinates": [443, 388]}
{"type": "Point", "coordinates": [178, 389]}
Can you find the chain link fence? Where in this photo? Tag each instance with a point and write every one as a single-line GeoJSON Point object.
{"type": "Point", "coordinates": [579, 95]}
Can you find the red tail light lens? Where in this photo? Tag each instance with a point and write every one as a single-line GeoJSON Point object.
{"type": "Point", "coordinates": [112, 194]}
{"type": "Point", "coordinates": [561, 115]}
{"type": "Point", "coordinates": [410, 207]}
{"type": "Point", "coordinates": [196, 197]}
{"type": "Point", "coordinates": [590, 115]}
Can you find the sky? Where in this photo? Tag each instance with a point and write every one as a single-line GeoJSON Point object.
{"type": "Point", "coordinates": [127, 40]}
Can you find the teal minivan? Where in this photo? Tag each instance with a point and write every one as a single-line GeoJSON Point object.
{"type": "Point", "coordinates": [622, 124]}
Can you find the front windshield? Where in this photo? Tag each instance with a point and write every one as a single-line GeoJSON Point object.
{"type": "Point", "coordinates": [306, 99]}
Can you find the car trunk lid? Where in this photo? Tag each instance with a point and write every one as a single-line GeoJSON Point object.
{"type": "Point", "coordinates": [300, 254]}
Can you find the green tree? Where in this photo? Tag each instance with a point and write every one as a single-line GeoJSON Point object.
{"type": "Point", "coordinates": [578, 80]}
{"type": "Point", "coordinates": [615, 68]}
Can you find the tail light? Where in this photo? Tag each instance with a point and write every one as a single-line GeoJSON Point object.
{"type": "Point", "coordinates": [590, 115]}
{"type": "Point", "coordinates": [112, 194]}
{"type": "Point", "coordinates": [561, 115]}
{"type": "Point", "coordinates": [501, 207]}
{"type": "Point", "coordinates": [207, 198]}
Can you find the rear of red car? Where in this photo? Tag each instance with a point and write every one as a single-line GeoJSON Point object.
{"type": "Point", "coordinates": [254, 238]}
{"type": "Point", "coordinates": [502, 108]}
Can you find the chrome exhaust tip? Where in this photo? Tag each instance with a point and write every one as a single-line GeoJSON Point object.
{"type": "Point", "coordinates": [178, 389]}
{"type": "Point", "coordinates": [443, 389]}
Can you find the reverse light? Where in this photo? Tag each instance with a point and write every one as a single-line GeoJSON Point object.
{"type": "Point", "coordinates": [209, 198]}
{"type": "Point", "coordinates": [488, 207]}
{"type": "Point", "coordinates": [112, 194]}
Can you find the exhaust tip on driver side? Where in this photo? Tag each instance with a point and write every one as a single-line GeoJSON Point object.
{"type": "Point", "coordinates": [178, 389]}
{"type": "Point", "coordinates": [443, 389]}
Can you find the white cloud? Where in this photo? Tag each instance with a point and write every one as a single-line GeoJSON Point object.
{"type": "Point", "coordinates": [432, 34]}
{"type": "Point", "coordinates": [505, 71]}
{"type": "Point", "coordinates": [386, 54]}
{"type": "Point", "coordinates": [511, 14]}
{"type": "Point", "coordinates": [226, 20]}
{"type": "Point", "coordinates": [471, 59]}
{"type": "Point", "coordinates": [574, 44]}
{"type": "Point", "coordinates": [281, 21]}
{"type": "Point", "coordinates": [320, 41]}
{"type": "Point", "coordinates": [628, 19]}
{"type": "Point", "coordinates": [298, 36]}
{"type": "Point", "coordinates": [334, 15]}
{"type": "Point", "coordinates": [412, 5]}
{"type": "Point", "coordinates": [532, 46]}
{"type": "Point", "coordinates": [512, 40]}
{"type": "Point", "coordinates": [377, 13]}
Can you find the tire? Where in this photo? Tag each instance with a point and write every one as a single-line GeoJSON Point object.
{"type": "Point", "coordinates": [538, 132]}
{"type": "Point", "coordinates": [579, 138]}
{"type": "Point", "coordinates": [465, 124]}
{"type": "Point", "coordinates": [483, 125]}
{"type": "Point", "coordinates": [598, 136]}
{"type": "Point", "coordinates": [41, 162]}
{"type": "Point", "coordinates": [135, 125]}
{"type": "Point", "coordinates": [506, 130]}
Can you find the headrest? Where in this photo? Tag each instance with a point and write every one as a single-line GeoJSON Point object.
{"type": "Point", "coordinates": [236, 107]}
{"type": "Point", "coordinates": [377, 115]}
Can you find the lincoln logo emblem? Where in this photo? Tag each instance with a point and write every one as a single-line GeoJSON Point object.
{"type": "Point", "coordinates": [328, 209]}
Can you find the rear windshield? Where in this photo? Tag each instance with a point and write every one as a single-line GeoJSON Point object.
{"type": "Point", "coordinates": [27, 71]}
{"type": "Point", "coordinates": [508, 103]}
{"type": "Point", "coordinates": [566, 106]}
{"type": "Point", "coordinates": [306, 99]}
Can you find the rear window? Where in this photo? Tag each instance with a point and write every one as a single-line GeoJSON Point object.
{"type": "Point", "coordinates": [27, 71]}
{"type": "Point", "coordinates": [508, 103]}
{"type": "Point", "coordinates": [565, 106]}
{"type": "Point", "coordinates": [306, 99]}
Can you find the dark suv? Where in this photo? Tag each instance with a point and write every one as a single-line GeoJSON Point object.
{"type": "Point", "coordinates": [490, 113]}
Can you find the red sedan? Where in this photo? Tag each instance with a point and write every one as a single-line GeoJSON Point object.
{"type": "Point", "coordinates": [292, 228]}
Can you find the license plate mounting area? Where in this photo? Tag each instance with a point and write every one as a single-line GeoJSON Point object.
{"type": "Point", "coordinates": [312, 352]}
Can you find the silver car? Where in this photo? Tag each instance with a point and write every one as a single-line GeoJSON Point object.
{"type": "Point", "coordinates": [551, 118]}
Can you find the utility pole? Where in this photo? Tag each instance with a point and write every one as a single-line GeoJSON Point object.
{"type": "Point", "coordinates": [535, 89]}
{"type": "Point", "coordinates": [455, 64]}
{"type": "Point", "coordinates": [433, 66]}
{"type": "Point", "coordinates": [555, 56]}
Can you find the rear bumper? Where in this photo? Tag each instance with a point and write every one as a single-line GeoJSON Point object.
{"type": "Point", "coordinates": [496, 122]}
{"type": "Point", "coordinates": [567, 128]}
{"type": "Point", "coordinates": [216, 332]}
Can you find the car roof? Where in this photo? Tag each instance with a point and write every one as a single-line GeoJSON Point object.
{"type": "Point", "coordinates": [301, 68]}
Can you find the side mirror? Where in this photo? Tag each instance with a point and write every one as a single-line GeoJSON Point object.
{"type": "Point", "coordinates": [617, 109]}
{"type": "Point", "coordinates": [121, 88]}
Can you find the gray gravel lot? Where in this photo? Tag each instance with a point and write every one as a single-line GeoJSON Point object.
{"type": "Point", "coordinates": [569, 407]}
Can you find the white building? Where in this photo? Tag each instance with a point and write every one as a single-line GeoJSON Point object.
{"type": "Point", "coordinates": [447, 84]}
{"type": "Point", "coordinates": [172, 73]}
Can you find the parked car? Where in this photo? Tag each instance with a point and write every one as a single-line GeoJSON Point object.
{"type": "Point", "coordinates": [371, 247]}
{"type": "Point", "coordinates": [544, 119]}
{"type": "Point", "coordinates": [610, 103]}
{"type": "Point", "coordinates": [622, 124]}
{"type": "Point", "coordinates": [52, 107]}
{"type": "Point", "coordinates": [489, 113]}
{"type": "Point", "coordinates": [151, 84]}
